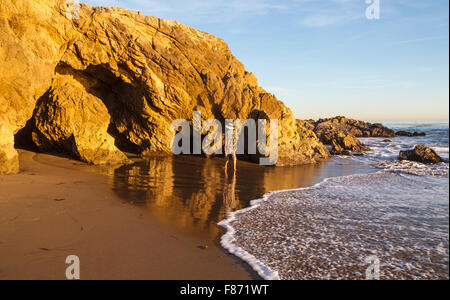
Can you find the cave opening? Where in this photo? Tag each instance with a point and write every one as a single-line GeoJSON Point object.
{"type": "Point", "coordinates": [23, 138]}
{"type": "Point", "coordinates": [123, 101]}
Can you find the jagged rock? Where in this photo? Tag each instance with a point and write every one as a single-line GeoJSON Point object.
{"type": "Point", "coordinates": [310, 147]}
{"type": "Point", "coordinates": [410, 134]}
{"type": "Point", "coordinates": [32, 35]}
{"type": "Point", "coordinates": [341, 133]}
{"type": "Point", "coordinates": [421, 153]}
{"type": "Point", "coordinates": [308, 124]}
{"type": "Point", "coordinates": [354, 127]}
{"type": "Point", "coordinates": [9, 159]}
{"type": "Point", "coordinates": [342, 144]}
{"type": "Point", "coordinates": [146, 71]}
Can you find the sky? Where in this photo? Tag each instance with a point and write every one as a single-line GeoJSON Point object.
{"type": "Point", "coordinates": [324, 58]}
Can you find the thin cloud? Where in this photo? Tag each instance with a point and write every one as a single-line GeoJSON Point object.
{"type": "Point", "coordinates": [329, 12]}
{"type": "Point", "coordinates": [327, 20]}
{"type": "Point", "coordinates": [425, 39]}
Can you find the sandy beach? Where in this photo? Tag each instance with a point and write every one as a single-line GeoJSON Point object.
{"type": "Point", "coordinates": [49, 212]}
{"type": "Point", "coordinates": [149, 220]}
{"type": "Point", "coordinates": [288, 140]}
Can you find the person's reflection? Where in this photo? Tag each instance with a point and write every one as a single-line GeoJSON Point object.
{"type": "Point", "coordinates": [229, 195]}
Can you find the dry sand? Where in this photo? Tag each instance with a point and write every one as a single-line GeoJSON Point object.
{"type": "Point", "coordinates": [55, 209]}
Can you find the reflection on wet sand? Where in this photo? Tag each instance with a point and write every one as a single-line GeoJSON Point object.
{"type": "Point", "coordinates": [192, 194]}
{"type": "Point", "coordinates": [229, 196]}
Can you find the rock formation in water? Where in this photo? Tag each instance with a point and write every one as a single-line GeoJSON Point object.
{"type": "Point", "coordinates": [114, 79]}
{"type": "Point", "coordinates": [409, 133]}
{"type": "Point", "coordinates": [308, 124]}
{"type": "Point", "coordinates": [354, 127]}
{"type": "Point", "coordinates": [342, 143]}
{"type": "Point", "coordinates": [421, 153]}
{"type": "Point", "coordinates": [341, 133]}
{"type": "Point", "coordinates": [309, 148]}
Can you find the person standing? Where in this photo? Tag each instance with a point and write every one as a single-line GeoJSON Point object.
{"type": "Point", "coordinates": [231, 144]}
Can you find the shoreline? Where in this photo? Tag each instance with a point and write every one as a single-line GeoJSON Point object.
{"type": "Point", "coordinates": [65, 211]}
{"type": "Point", "coordinates": [227, 240]}
{"type": "Point", "coordinates": [104, 215]}
{"type": "Point", "coordinates": [192, 194]}
{"type": "Point", "coordinates": [241, 243]}
{"type": "Point", "coordinates": [235, 238]}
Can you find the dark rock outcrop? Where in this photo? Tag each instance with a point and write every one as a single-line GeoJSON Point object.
{"type": "Point", "coordinates": [114, 77]}
{"type": "Point", "coordinates": [308, 124]}
{"type": "Point", "coordinates": [421, 153]}
{"type": "Point", "coordinates": [341, 133]}
{"type": "Point", "coordinates": [410, 134]}
{"type": "Point", "coordinates": [310, 147]}
{"type": "Point", "coordinates": [342, 143]}
{"type": "Point", "coordinates": [354, 127]}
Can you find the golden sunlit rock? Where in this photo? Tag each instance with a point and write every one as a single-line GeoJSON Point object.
{"type": "Point", "coordinates": [115, 77]}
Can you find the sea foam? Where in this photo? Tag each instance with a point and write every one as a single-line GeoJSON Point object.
{"type": "Point", "coordinates": [326, 231]}
{"type": "Point", "coordinates": [400, 214]}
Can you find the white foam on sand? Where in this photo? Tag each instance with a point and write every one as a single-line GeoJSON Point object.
{"type": "Point", "coordinates": [325, 231]}
{"type": "Point", "coordinates": [398, 216]}
{"type": "Point", "coordinates": [228, 240]}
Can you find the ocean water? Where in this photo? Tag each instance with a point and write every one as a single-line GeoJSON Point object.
{"type": "Point", "coordinates": [397, 214]}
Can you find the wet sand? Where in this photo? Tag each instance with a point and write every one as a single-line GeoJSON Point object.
{"type": "Point", "coordinates": [192, 194]}
{"type": "Point", "coordinates": [145, 221]}
{"type": "Point", "coordinates": [48, 213]}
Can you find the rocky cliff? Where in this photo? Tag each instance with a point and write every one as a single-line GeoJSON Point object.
{"type": "Point", "coordinates": [112, 79]}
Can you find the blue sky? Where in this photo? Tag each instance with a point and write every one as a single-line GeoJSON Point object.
{"type": "Point", "coordinates": [324, 57]}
